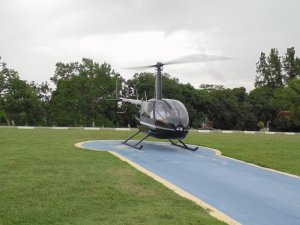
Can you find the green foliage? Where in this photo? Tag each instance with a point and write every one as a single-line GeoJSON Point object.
{"type": "Point", "coordinates": [261, 125]}
{"type": "Point", "coordinates": [275, 71]}
{"type": "Point", "coordinates": [291, 96]}
{"type": "Point", "coordinates": [19, 100]}
{"type": "Point", "coordinates": [81, 93]}
{"type": "Point", "coordinates": [227, 108]}
{"type": "Point", "coordinates": [291, 65]}
{"type": "Point", "coordinates": [269, 70]}
{"type": "Point", "coordinates": [2, 118]}
{"type": "Point", "coordinates": [85, 95]}
{"type": "Point", "coordinates": [274, 61]}
{"type": "Point", "coordinates": [262, 104]}
{"type": "Point", "coordinates": [262, 70]}
{"type": "Point", "coordinates": [140, 85]}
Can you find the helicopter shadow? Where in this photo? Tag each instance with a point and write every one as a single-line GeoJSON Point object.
{"type": "Point", "coordinates": [149, 147]}
{"type": "Point", "coordinates": [156, 151]}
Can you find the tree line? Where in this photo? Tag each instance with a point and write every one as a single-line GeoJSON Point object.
{"type": "Point", "coordinates": [84, 94]}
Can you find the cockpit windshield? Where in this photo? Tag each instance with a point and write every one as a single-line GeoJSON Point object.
{"type": "Point", "coordinates": [170, 113]}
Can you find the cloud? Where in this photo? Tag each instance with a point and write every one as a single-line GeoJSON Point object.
{"type": "Point", "coordinates": [36, 34]}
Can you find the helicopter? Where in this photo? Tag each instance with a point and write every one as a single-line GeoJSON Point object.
{"type": "Point", "coordinates": [164, 118]}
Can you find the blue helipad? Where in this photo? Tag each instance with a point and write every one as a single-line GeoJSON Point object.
{"type": "Point", "coordinates": [246, 193]}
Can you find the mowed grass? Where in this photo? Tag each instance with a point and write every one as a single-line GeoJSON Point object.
{"type": "Point", "coordinates": [277, 151]}
{"type": "Point", "coordinates": [45, 179]}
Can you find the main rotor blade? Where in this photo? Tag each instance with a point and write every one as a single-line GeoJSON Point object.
{"type": "Point", "coordinates": [197, 58]}
{"type": "Point", "coordinates": [139, 67]}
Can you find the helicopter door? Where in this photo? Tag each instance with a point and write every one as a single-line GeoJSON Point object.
{"type": "Point", "coordinates": [166, 115]}
{"type": "Point", "coordinates": [147, 113]}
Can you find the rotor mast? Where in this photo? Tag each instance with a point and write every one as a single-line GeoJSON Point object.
{"type": "Point", "coordinates": [158, 81]}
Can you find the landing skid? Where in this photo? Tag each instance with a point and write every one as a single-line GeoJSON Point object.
{"type": "Point", "coordinates": [183, 145]}
{"type": "Point", "coordinates": [136, 146]}
{"type": "Point", "coordinates": [139, 147]}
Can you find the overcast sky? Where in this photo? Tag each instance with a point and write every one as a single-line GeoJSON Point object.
{"type": "Point", "coordinates": [36, 34]}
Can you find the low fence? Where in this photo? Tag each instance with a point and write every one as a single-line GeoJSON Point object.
{"type": "Point", "coordinates": [134, 129]}
{"type": "Point", "coordinates": [245, 132]}
{"type": "Point", "coordinates": [68, 128]}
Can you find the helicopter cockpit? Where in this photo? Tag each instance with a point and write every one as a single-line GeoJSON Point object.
{"type": "Point", "coordinates": [166, 114]}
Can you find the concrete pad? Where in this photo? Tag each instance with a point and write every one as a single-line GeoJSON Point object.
{"type": "Point", "coordinates": [245, 193]}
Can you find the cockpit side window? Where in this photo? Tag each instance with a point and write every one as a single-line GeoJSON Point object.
{"type": "Point", "coordinates": [182, 112]}
{"type": "Point", "coordinates": [148, 110]}
{"type": "Point", "coordinates": [162, 110]}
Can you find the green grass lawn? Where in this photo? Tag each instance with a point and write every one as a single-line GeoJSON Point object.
{"type": "Point", "coordinates": [279, 151]}
{"type": "Point", "coordinates": [45, 179]}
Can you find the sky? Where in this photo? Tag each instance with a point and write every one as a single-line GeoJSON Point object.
{"type": "Point", "coordinates": [36, 34]}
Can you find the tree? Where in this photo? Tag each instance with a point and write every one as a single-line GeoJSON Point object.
{"type": "Point", "coordinates": [81, 92]}
{"type": "Point", "coordinates": [269, 70]}
{"type": "Point", "coordinates": [22, 103]}
{"type": "Point", "coordinates": [229, 109]}
{"type": "Point", "coordinates": [273, 87]}
{"type": "Point", "coordinates": [262, 70]}
{"type": "Point", "coordinates": [5, 75]}
{"type": "Point", "coordinates": [140, 85]}
{"type": "Point", "coordinates": [291, 65]}
{"type": "Point", "coordinates": [274, 62]}
{"type": "Point", "coordinates": [18, 99]}
{"type": "Point", "coordinates": [43, 93]}
{"type": "Point", "coordinates": [264, 104]}
{"type": "Point", "coordinates": [291, 96]}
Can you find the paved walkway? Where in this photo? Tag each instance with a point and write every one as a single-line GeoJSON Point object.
{"type": "Point", "coordinates": [248, 194]}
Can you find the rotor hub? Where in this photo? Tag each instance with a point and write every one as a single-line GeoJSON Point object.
{"type": "Point", "coordinates": [159, 65]}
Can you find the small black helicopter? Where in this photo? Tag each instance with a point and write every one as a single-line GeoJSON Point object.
{"type": "Point", "coordinates": [164, 118]}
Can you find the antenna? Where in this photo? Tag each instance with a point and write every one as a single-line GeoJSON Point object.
{"type": "Point", "coordinates": [116, 89]}
{"type": "Point", "coordinates": [137, 94]}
